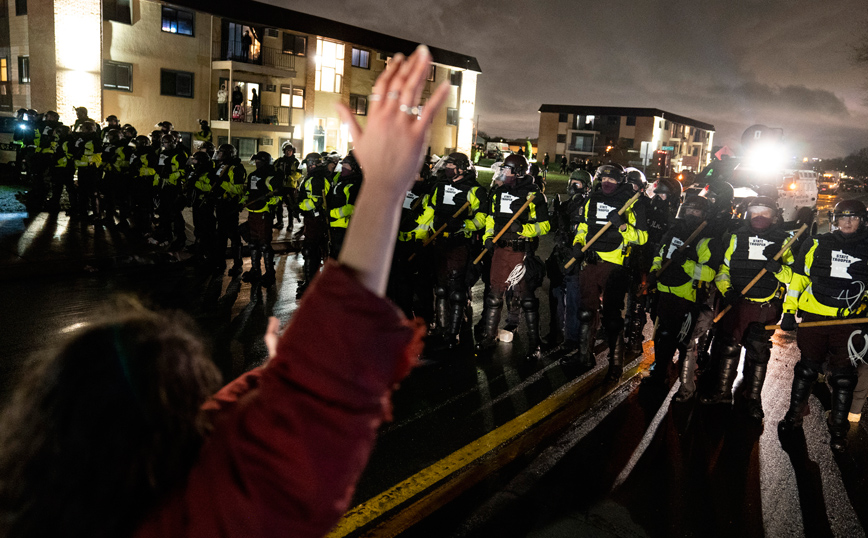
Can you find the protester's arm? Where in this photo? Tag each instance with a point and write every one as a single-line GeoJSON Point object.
{"type": "Point", "coordinates": [390, 152]}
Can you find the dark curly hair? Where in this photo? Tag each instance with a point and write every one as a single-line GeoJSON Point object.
{"type": "Point", "coordinates": [95, 435]}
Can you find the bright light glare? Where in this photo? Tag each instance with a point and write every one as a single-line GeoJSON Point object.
{"type": "Point", "coordinates": [765, 159]}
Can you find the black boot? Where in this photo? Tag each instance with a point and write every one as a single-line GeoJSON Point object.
{"type": "Point", "coordinates": [804, 376]}
{"type": "Point", "coordinates": [616, 357]}
{"type": "Point", "coordinates": [727, 353]}
{"type": "Point", "coordinates": [269, 279]}
{"type": "Point", "coordinates": [638, 318]}
{"type": "Point", "coordinates": [842, 397]}
{"type": "Point", "coordinates": [255, 272]}
{"type": "Point", "coordinates": [457, 302]}
{"type": "Point", "coordinates": [441, 312]}
{"type": "Point", "coordinates": [490, 321]}
{"type": "Point", "coordinates": [688, 385]}
{"type": "Point", "coordinates": [665, 346]}
{"type": "Point", "coordinates": [237, 262]}
{"type": "Point", "coordinates": [585, 355]}
{"type": "Point", "coordinates": [754, 376]}
{"type": "Point", "coordinates": [531, 317]}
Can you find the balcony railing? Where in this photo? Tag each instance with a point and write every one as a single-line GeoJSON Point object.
{"type": "Point", "coordinates": [268, 114]}
{"type": "Point", "coordinates": [267, 56]}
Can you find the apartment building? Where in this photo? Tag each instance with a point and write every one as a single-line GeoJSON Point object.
{"type": "Point", "coordinates": [592, 132]}
{"type": "Point", "coordinates": [146, 61]}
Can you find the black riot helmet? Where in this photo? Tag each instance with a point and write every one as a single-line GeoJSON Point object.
{"type": "Point", "coordinates": [155, 137]}
{"type": "Point", "coordinates": [721, 195]}
{"type": "Point", "coordinates": [111, 136]}
{"type": "Point", "coordinates": [207, 147]}
{"type": "Point", "coordinates": [261, 158]}
{"type": "Point", "coordinates": [200, 159]}
{"type": "Point", "coordinates": [761, 212]}
{"type": "Point", "coordinates": [612, 170]}
{"type": "Point", "coordinates": [518, 164]}
{"type": "Point", "coordinates": [142, 142]}
{"type": "Point", "coordinates": [332, 159]}
{"type": "Point", "coordinates": [636, 178]}
{"type": "Point", "coordinates": [312, 160]}
{"type": "Point", "coordinates": [287, 146]}
{"type": "Point", "coordinates": [849, 208]}
{"type": "Point", "coordinates": [694, 208]}
{"type": "Point", "coordinates": [167, 142]}
{"type": "Point", "coordinates": [129, 131]}
{"type": "Point", "coordinates": [350, 160]}
{"type": "Point", "coordinates": [166, 126]}
{"type": "Point", "coordinates": [224, 153]}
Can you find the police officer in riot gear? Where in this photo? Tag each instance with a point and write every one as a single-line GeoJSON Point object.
{"type": "Point", "coordinates": [691, 267]}
{"type": "Point", "coordinates": [510, 266]}
{"type": "Point", "coordinates": [603, 273]}
{"type": "Point", "coordinates": [201, 189]}
{"type": "Point", "coordinates": [564, 282]}
{"type": "Point", "coordinates": [168, 180]}
{"type": "Point", "coordinates": [746, 252]}
{"type": "Point", "coordinates": [311, 195]}
{"type": "Point", "coordinates": [452, 249]}
{"type": "Point", "coordinates": [228, 190]}
{"type": "Point", "coordinates": [341, 199]}
{"type": "Point", "coordinates": [288, 166]}
{"type": "Point", "coordinates": [262, 183]}
{"type": "Point", "coordinates": [829, 283]}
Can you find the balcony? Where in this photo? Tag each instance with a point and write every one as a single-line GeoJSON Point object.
{"type": "Point", "coordinates": [263, 60]}
{"type": "Point", "coordinates": [271, 118]}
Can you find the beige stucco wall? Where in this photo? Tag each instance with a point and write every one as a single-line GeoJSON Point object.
{"type": "Point", "coordinates": [43, 82]}
{"type": "Point", "coordinates": [149, 49]}
{"type": "Point", "coordinates": [19, 45]}
{"type": "Point", "coordinates": [548, 134]}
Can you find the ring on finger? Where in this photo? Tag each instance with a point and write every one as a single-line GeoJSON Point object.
{"type": "Point", "coordinates": [409, 110]}
{"type": "Point", "coordinates": [393, 95]}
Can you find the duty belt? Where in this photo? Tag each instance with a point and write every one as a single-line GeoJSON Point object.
{"type": "Point", "coordinates": [519, 245]}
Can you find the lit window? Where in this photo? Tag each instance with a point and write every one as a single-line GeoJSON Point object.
{"type": "Point", "coordinates": [24, 69]}
{"type": "Point", "coordinates": [329, 66]}
{"type": "Point", "coordinates": [293, 97]}
{"type": "Point", "coordinates": [177, 21]}
{"type": "Point", "coordinates": [294, 44]}
{"type": "Point", "coordinates": [361, 58]}
{"type": "Point", "coordinates": [4, 70]}
{"type": "Point", "coordinates": [451, 116]}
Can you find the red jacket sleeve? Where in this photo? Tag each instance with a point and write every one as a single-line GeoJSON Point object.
{"type": "Point", "coordinates": [284, 460]}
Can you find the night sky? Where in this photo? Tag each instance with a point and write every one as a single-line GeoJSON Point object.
{"type": "Point", "coordinates": [780, 63]}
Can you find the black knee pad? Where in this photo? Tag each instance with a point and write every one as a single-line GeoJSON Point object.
{"type": "Point", "coordinates": [806, 369]}
{"type": "Point", "coordinates": [727, 346]}
{"type": "Point", "coordinates": [845, 382]}
{"type": "Point", "coordinates": [530, 304]}
{"type": "Point", "coordinates": [440, 292]}
{"type": "Point", "coordinates": [458, 296]}
{"type": "Point", "coordinates": [492, 301]}
{"type": "Point", "coordinates": [586, 316]}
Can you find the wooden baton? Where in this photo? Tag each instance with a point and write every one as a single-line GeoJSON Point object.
{"type": "Point", "coordinates": [604, 228]}
{"type": "Point", "coordinates": [763, 271]}
{"type": "Point", "coordinates": [827, 323]}
{"type": "Point", "coordinates": [682, 248]}
{"type": "Point", "coordinates": [441, 228]}
{"type": "Point", "coordinates": [506, 227]}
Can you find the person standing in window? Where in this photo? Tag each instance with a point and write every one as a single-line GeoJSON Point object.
{"type": "Point", "coordinates": [254, 104]}
{"type": "Point", "coordinates": [246, 42]}
{"type": "Point", "coordinates": [222, 102]}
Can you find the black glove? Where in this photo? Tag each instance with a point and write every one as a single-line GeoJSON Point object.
{"type": "Point", "coordinates": [515, 227]}
{"type": "Point", "coordinates": [454, 224]}
{"type": "Point", "coordinates": [679, 257]}
{"type": "Point", "coordinates": [651, 281]}
{"type": "Point", "coordinates": [773, 266]}
{"type": "Point", "coordinates": [788, 322]}
{"type": "Point", "coordinates": [771, 251]}
{"type": "Point", "coordinates": [489, 244]}
{"type": "Point", "coordinates": [577, 252]}
{"type": "Point", "coordinates": [731, 297]}
{"type": "Point", "coordinates": [591, 257]}
{"type": "Point", "coordinates": [615, 219]}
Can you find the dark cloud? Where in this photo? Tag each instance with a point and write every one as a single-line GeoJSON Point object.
{"type": "Point", "coordinates": [777, 62]}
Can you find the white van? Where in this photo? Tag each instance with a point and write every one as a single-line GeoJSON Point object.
{"type": "Point", "coordinates": [7, 148]}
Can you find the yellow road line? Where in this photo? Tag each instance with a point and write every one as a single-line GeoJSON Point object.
{"type": "Point", "coordinates": [462, 468]}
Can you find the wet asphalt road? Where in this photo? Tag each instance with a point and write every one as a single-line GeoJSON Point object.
{"type": "Point", "coordinates": [698, 472]}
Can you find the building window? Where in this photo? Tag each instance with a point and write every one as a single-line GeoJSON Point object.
{"type": "Point", "coordinates": [329, 66]}
{"type": "Point", "coordinates": [117, 76]}
{"type": "Point", "coordinates": [432, 71]}
{"type": "Point", "coordinates": [176, 83]}
{"type": "Point", "coordinates": [118, 11]}
{"type": "Point", "coordinates": [628, 142]}
{"type": "Point", "coordinates": [455, 78]}
{"type": "Point", "coordinates": [562, 118]}
{"type": "Point", "coordinates": [294, 44]}
{"type": "Point", "coordinates": [562, 138]}
{"type": "Point", "coordinates": [298, 98]}
{"type": "Point", "coordinates": [359, 105]}
{"type": "Point", "coordinates": [631, 121]}
{"type": "Point", "coordinates": [4, 70]}
{"type": "Point", "coordinates": [21, 7]}
{"type": "Point", "coordinates": [451, 116]}
{"type": "Point", "coordinates": [177, 21]}
{"type": "Point", "coordinates": [361, 58]}
{"type": "Point", "coordinates": [24, 69]}
{"type": "Point", "coordinates": [291, 97]}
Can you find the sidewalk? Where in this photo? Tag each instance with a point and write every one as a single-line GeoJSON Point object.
{"type": "Point", "coordinates": [51, 244]}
